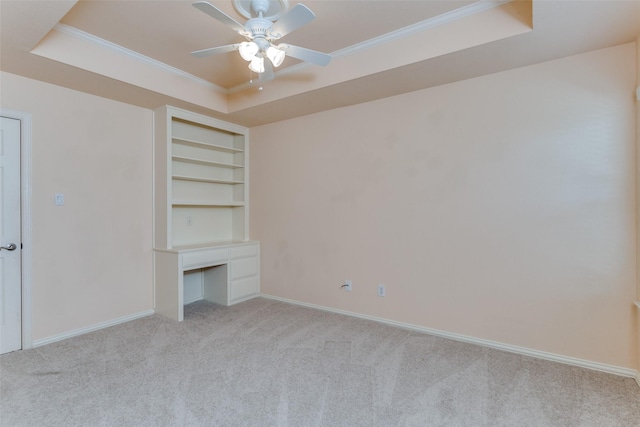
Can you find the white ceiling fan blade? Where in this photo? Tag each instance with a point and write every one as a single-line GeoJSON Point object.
{"type": "Point", "coordinates": [295, 18]}
{"type": "Point", "coordinates": [216, 13]}
{"type": "Point", "coordinates": [215, 50]}
{"type": "Point", "coordinates": [307, 55]}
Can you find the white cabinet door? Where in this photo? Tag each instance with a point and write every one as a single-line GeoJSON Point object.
{"type": "Point", "coordinates": [243, 289]}
{"type": "Point", "coordinates": [244, 274]}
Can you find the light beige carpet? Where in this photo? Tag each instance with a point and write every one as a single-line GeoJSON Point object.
{"type": "Point", "coordinates": [267, 363]}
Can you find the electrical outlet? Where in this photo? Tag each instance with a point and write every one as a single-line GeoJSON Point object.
{"type": "Point", "coordinates": [347, 285]}
{"type": "Point", "coordinates": [189, 220]}
{"type": "Point", "coordinates": [381, 291]}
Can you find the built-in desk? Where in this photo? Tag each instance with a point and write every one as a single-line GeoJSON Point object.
{"type": "Point", "coordinates": [231, 274]}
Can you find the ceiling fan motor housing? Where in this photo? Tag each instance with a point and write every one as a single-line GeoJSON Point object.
{"type": "Point", "coordinates": [257, 27]}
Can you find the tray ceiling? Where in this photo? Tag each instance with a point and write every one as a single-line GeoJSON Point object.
{"type": "Point", "coordinates": [139, 51]}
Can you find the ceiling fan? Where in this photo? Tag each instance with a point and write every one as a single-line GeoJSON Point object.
{"type": "Point", "coordinates": [268, 21]}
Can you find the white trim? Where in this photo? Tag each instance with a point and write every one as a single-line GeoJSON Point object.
{"type": "Point", "coordinates": [153, 206]}
{"type": "Point", "coordinates": [427, 24]}
{"type": "Point", "coordinates": [637, 377]}
{"type": "Point", "coordinates": [247, 189]}
{"type": "Point", "coordinates": [25, 208]}
{"type": "Point", "coordinates": [596, 366]}
{"type": "Point", "coordinates": [638, 94]}
{"type": "Point", "coordinates": [90, 38]}
{"type": "Point", "coordinates": [92, 328]}
{"type": "Point", "coordinates": [191, 301]}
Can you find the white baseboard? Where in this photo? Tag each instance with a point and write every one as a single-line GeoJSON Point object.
{"type": "Point", "coordinates": [616, 370]}
{"type": "Point", "coordinates": [192, 300]}
{"type": "Point", "coordinates": [91, 328]}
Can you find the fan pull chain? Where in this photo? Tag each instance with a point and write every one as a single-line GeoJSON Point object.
{"type": "Point", "coordinates": [260, 88]}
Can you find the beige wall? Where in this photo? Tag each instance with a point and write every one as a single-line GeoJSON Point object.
{"type": "Point", "coordinates": [500, 207]}
{"type": "Point", "coordinates": [92, 256]}
{"type": "Point", "coordinates": [638, 203]}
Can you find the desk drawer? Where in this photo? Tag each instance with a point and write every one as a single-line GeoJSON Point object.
{"type": "Point", "coordinates": [204, 257]}
{"type": "Point", "coordinates": [244, 267]}
{"type": "Point", "coordinates": [244, 288]}
{"type": "Point", "coordinates": [244, 251]}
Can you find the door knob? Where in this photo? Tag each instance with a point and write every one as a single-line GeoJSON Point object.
{"type": "Point", "coordinates": [9, 247]}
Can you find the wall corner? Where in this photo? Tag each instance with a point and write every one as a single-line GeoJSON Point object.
{"type": "Point", "coordinates": [637, 207]}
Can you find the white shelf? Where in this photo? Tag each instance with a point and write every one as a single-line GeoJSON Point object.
{"type": "Point", "coordinates": [206, 162]}
{"type": "Point", "coordinates": [206, 203]}
{"type": "Point", "coordinates": [200, 178]}
{"type": "Point", "coordinates": [207, 245]}
{"type": "Point", "coordinates": [213, 181]}
{"type": "Point", "coordinates": [206, 145]}
{"type": "Point", "coordinates": [201, 212]}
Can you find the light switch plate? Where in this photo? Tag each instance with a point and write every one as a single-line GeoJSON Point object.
{"type": "Point", "coordinates": [59, 199]}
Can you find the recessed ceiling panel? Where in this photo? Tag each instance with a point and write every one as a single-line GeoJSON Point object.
{"type": "Point", "coordinates": [168, 31]}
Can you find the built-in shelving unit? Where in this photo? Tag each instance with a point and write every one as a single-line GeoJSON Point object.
{"type": "Point", "coordinates": [200, 179]}
{"type": "Point", "coordinates": [201, 191]}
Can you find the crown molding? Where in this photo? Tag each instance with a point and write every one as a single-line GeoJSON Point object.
{"type": "Point", "coordinates": [445, 18]}
{"type": "Point", "coordinates": [90, 38]}
{"type": "Point", "coordinates": [427, 24]}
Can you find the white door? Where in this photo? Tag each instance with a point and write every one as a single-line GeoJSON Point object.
{"type": "Point", "coordinates": [10, 230]}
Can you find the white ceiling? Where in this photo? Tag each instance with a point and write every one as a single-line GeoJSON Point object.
{"type": "Point", "coordinates": [139, 51]}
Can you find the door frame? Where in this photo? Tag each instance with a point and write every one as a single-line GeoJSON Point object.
{"type": "Point", "coordinates": [25, 218]}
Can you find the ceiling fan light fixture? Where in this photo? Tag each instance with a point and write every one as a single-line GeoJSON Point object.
{"type": "Point", "coordinates": [257, 64]}
{"type": "Point", "coordinates": [275, 55]}
{"type": "Point", "coordinates": [268, 21]}
{"type": "Point", "coordinates": [248, 50]}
